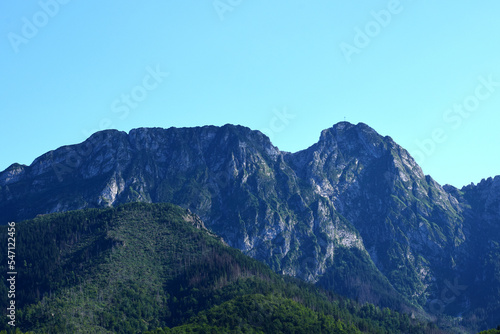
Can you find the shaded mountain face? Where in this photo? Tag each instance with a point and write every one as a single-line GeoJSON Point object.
{"type": "Point", "coordinates": [353, 212]}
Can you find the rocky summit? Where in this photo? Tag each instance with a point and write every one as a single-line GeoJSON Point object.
{"type": "Point", "coordinates": [353, 213]}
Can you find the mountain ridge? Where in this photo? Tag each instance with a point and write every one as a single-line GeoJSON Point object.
{"type": "Point", "coordinates": [354, 195]}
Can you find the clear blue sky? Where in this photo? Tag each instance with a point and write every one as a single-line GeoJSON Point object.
{"type": "Point", "coordinates": [425, 73]}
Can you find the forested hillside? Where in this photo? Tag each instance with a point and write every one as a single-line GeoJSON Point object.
{"type": "Point", "coordinates": [150, 267]}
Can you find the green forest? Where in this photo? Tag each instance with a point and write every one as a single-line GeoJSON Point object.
{"type": "Point", "coordinates": [155, 268]}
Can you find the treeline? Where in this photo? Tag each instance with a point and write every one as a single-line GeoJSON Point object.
{"type": "Point", "coordinates": [492, 331]}
{"type": "Point", "coordinates": [274, 314]}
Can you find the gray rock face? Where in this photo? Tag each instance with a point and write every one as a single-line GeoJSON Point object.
{"type": "Point", "coordinates": [353, 196]}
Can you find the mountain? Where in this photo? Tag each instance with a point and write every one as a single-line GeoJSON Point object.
{"type": "Point", "coordinates": [353, 213]}
{"type": "Point", "coordinates": [151, 267]}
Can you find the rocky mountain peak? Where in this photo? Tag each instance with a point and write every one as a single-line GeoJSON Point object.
{"type": "Point", "coordinates": [349, 139]}
{"type": "Point", "coordinates": [354, 193]}
{"type": "Point", "coordinates": [12, 173]}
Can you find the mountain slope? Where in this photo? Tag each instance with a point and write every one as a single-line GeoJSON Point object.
{"type": "Point", "coordinates": [138, 267]}
{"type": "Point", "coordinates": [353, 213]}
{"type": "Point", "coordinates": [406, 219]}
{"type": "Point", "coordinates": [232, 177]}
